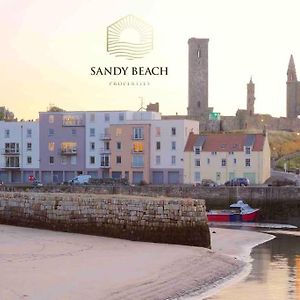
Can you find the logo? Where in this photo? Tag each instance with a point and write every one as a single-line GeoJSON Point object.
{"type": "Point", "coordinates": [130, 38]}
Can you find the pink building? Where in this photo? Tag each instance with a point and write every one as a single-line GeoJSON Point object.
{"type": "Point", "coordinates": [130, 152]}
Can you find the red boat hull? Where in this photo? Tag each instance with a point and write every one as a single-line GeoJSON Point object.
{"type": "Point", "coordinates": [219, 217]}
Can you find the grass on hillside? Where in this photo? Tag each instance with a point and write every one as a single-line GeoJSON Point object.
{"type": "Point", "coordinates": [283, 143]}
{"type": "Point", "coordinates": [291, 164]}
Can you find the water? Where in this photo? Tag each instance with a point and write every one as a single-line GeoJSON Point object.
{"type": "Point", "coordinates": [275, 274]}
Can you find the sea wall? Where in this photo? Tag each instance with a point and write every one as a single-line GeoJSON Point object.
{"type": "Point", "coordinates": [160, 219]}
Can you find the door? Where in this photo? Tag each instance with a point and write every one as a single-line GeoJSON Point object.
{"type": "Point", "coordinates": [137, 177]}
{"type": "Point", "coordinates": [173, 177]}
{"type": "Point", "coordinates": [157, 177]}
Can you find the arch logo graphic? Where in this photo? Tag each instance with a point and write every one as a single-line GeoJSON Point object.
{"type": "Point", "coordinates": [130, 38]}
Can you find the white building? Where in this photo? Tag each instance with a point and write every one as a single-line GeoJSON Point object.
{"type": "Point", "coordinates": [19, 144]}
{"type": "Point", "coordinates": [168, 139]}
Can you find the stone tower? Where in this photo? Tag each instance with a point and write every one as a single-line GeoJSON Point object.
{"type": "Point", "coordinates": [250, 97]}
{"type": "Point", "coordinates": [292, 91]}
{"type": "Point", "coordinates": [198, 79]}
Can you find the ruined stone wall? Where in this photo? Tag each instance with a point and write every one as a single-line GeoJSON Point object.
{"type": "Point", "coordinates": [259, 122]}
{"type": "Point", "coordinates": [162, 220]}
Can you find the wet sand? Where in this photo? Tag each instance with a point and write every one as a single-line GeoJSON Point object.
{"type": "Point", "coordinates": [41, 264]}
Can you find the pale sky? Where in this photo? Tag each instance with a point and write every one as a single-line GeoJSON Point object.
{"type": "Point", "coordinates": [48, 46]}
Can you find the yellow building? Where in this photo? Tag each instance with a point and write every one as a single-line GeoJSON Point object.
{"type": "Point", "coordinates": [221, 157]}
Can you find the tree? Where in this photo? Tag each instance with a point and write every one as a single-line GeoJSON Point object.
{"type": "Point", "coordinates": [53, 108]}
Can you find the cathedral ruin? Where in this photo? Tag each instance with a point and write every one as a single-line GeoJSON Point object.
{"type": "Point", "coordinates": [244, 119]}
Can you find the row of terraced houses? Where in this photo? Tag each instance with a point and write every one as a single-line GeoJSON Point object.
{"type": "Point", "coordinates": [139, 146]}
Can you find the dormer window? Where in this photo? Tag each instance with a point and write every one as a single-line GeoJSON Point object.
{"type": "Point", "coordinates": [197, 150]}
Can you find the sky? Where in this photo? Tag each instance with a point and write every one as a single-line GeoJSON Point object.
{"type": "Point", "coordinates": [48, 47]}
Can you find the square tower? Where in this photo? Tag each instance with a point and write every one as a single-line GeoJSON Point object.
{"type": "Point", "coordinates": [198, 79]}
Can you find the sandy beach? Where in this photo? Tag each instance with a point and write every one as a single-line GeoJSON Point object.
{"type": "Point", "coordinates": [41, 264]}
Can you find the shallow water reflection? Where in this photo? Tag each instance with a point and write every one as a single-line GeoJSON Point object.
{"type": "Point", "coordinates": [275, 274]}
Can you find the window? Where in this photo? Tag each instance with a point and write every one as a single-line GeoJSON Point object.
{"type": "Point", "coordinates": [29, 160]}
{"type": "Point", "coordinates": [12, 162]}
{"type": "Point", "coordinates": [234, 160]}
{"type": "Point", "coordinates": [12, 148]}
{"type": "Point", "coordinates": [138, 147]}
{"type": "Point", "coordinates": [157, 131]}
{"type": "Point", "coordinates": [92, 117]}
{"type": "Point", "coordinates": [92, 131]}
{"type": "Point", "coordinates": [29, 146]}
{"type": "Point", "coordinates": [198, 104]}
{"type": "Point", "coordinates": [247, 162]}
{"type": "Point", "coordinates": [173, 131]}
{"type": "Point", "coordinates": [118, 159]}
{"type": "Point", "coordinates": [157, 159]}
{"type": "Point", "coordinates": [173, 160]}
{"type": "Point", "coordinates": [51, 132]}
{"type": "Point", "coordinates": [173, 145]}
{"type": "Point", "coordinates": [214, 153]}
{"type": "Point", "coordinates": [121, 116]}
{"type": "Point", "coordinates": [51, 146]}
{"type": "Point", "coordinates": [64, 160]}
{"type": "Point", "coordinates": [29, 133]}
{"type": "Point", "coordinates": [73, 131]}
{"type": "Point", "coordinates": [118, 131]}
{"type": "Point", "coordinates": [208, 161]}
{"type": "Point", "coordinates": [138, 133]}
{"type": "Point", "coordinates": [137, 161]}
{"type": "Point", "coordinates": [73, 120]}
{"type": "Point", "coordinates": [51, 119]}
{"type": "Point", "coordinates": [68, 148]}
{"type": "Point", "coordinates": [223, 163]}
{"type": "Point", "coordinates": [104, 160]}
{"type": "Point", "coordinates": [231, 153]}
{"type": "Point", "coordinates": [197, 176]}
{"type": "Point", "coordinates": [92, 160]}
{"type": "Point", "coordinates": [6, 133]}
{"type": "Point", "coordinates": [197, 150]}
{"type": "Point", "coordinates": [119, 145]}
{"type": "Point", "coordinates": [248, 150]}
{"type": "Point", "coordinates": [51, 160]}
{"type": "Point", "coordinates": [106, 145]}
{"type": "Point", "coordinates": [106, 117]}
{"type": "Point", "coordinates": [197, 162]}
{"type": "Point", "coordinates": [158, 145]}
{"type": "Point", "coordinates": [73, 160]}
{"type": "Point", "coordinates": [92, 146]}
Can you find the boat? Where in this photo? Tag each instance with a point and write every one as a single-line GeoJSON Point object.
{"type": "Point", "coordinates": [238, 212]}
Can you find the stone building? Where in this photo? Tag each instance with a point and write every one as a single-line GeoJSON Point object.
{"type": "Point", "coordinates": [198, 80]}
{"type": "Point", "coordinates": [245, 119]}
{"type": "Point", "coordinates": [292, 91]}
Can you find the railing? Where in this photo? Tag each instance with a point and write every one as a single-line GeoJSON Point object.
{"type": "Point", "coordinates": [12, 166]}
{"type": "Point", "coordinates": [105, 136]}
{"type": "Point", "coordinates": [104, 165]}
{"type": "Point", "coordinates": [137, 137]}
{"type": "Point", "coordinates": [104, 150]}
{"type": "Point", "coordinates": [133, 165]}
{"type": "Point", "coordinates": [73, 123]}
{"type": "Point", "coordinates": [69, 151]}
{"type": "Point", "coordinates": [8, 151]}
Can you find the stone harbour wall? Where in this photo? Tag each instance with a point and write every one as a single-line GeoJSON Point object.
{"type": "Point", "coordinates": [151, 219]}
